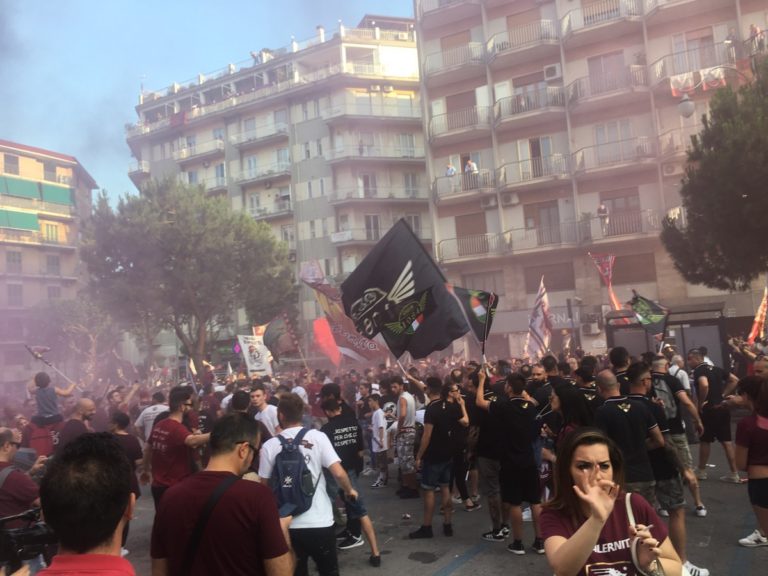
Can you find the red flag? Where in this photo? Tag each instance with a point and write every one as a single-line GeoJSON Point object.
{"type": "Point", "coordinates": [604, 264]}
{"type": "Point", "coordinates": [758, 326]}
{"type": "Point", "coordinates": [325, 341]}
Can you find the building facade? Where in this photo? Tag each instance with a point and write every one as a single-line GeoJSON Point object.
{"type": "Point", "coordinates": [553, 130]}
{"type": "Point", "coordinates": [322, 140]}
{"type": "Point", "coordinates": [44, 199]}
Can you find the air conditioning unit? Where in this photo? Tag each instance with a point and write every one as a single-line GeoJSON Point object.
{"type": "Point", "coordinates": [552, 72]}
{"type": "Point", "coordinates": [672, 169]}
{"type": "Point", "coordinates": [591, 328]}
{"type": "Point", "coordinates": [488, 203]}
{"type": "Point", "coordinates": [375, 88]}
{"type": "Point", "coordinates": [510, 199]}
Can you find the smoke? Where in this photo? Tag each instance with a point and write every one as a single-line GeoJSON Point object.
{"type": "Point", "coordinates": [12, 51]}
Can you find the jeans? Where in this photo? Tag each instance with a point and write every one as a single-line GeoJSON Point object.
{"type": "Point", "coordinates": [318, 544]}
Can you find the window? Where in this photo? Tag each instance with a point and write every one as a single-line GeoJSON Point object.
{"type": "Point", "coordinates": [192, 178]}
{"type": "Point", "coordinates": [372, 227]}
{"type": "Point", "coordinates": [219, 172]}
{"type": "Point", "coordinates": [190, 143]}
{"type": "Point", "coordinates": [51, 233]}
{"type": "Point", "coordinates": [634, 268]}
{"type": "Point", "coordinates": [49, 171]}
{"type": "Point", "coordinates": [312, 230]}
{"type": "Point", "coordinates": [15, 295]}
{"type": "Point", "coordinates": [304, 111]}
{"type": "Point", "coordinates": [218, 133]}
{"type": "Point", "coordinates": [414, 221]}
{"type": "Point", "coordinates": [287, 234]}
{"type": "Point", "coordinates": [52, 264]}
{"type": "Point", "coordinates": [11, 164]}
{"type": "Point", "coordinates": [492, 281]}
{"type": "Point", "coordinates": [54, 292]}
{"type": "Point", "coordinates": [13, 262]}
{"type": "Point", "coordinates": [556, 277]}
{"type": "Point", "coordinates": [254, 203]}
{"type": "Point", "coordinates": [322, 186]}
{"type": "Point", "coordinates": [283, 157]}
{"type": "Point", "coordinates": [407, 145]}
{"type": "Point", "coordinates": [319, 146]}
{"type": "Point", "coordinates": [250, 166]}
{"type": "Point", "coordinates": [307, 152]}
{"type": "Point", "coordinates": [343, 222]}
{"type": "Point", "coordinates": [608, 135]}
{"type": "Point", "coordinates": [325, 226]}
{"type": "Point", "coordinates": [411, 184]}
{"type": "Point", "coordinates": [281, 116]}
{"type": "Point", "coordinates": [309, 189]}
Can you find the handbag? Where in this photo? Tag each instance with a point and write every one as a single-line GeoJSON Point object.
{"type": "Point", "coordinates": [636, 541]}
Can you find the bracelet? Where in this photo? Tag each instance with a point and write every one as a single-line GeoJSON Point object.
{"type": "Point", "coordinates": [655, 569]}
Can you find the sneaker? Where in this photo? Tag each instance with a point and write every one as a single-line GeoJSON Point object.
{"type": "Point", "coordinates": [422, 532]}
{"type": "Point", "coordinates": [475, 498]}
{"type": "Point", "coordinates": [732, 478]}
{"type": "Point", "coordinates": [753, 540]}
{"type": "Point", "coordinates": [663, 513]}
{"type": "Point", "coordinates": [368, 471]}
{"type": "Point", "coordinates": [538, 546]}
{"type": "Point", "coordinates": [343, 535]}
{"type": "Point", "coordinates": [473, 507]}
{"type": "Point", "coordinates": [516, 548]}
{"type": "Point", "coordinates": [527, 515]}
{"type": "Point", "coordinates": [379, 484]}
{"type": "Point", "coordinates": [701, 474]}
{"type": "Point", "coordinates": [701, 511]}
{"type": "Point", "coordinates": [492, 536]}
{"type": "Point", "coordinates": [447, 530]}
{"type": "Point", "coordinates": [504, 530]}
{"type": "Point", "coordinates": [458, 500]}
{"type": "Point", "coordinates": [351, 542]}
{"type": "Point", "coordinates": [374, 561]}
{"type": "Point", "coordinates": [124, 552]}
{"type": "Point", "coordinates": [694, 570]}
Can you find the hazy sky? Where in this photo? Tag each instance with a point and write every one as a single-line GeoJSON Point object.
{"type": "Point", "coordinates": [71, 70]}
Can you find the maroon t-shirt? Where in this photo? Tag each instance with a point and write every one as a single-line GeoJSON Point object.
{"type": "Point", "coordinates": [171, 458]}
{"type": "Point", "coordinates": [71, 430]}
{"type": "Point", "coordinates": [242, 531]}
{"type": "Point", "coordinates": [17, 495]}
{"type": "Point", "coordinates": [612, 553]}
{"type": "Point", "coordinates": [753, 436]}
{"type": "Point", "coordinates": [134, 452]}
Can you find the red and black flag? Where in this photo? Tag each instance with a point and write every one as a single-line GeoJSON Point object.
{"type": "Point", "coordinates": [479, 308]}
{"type": "Point", "coordinates": [396, 273]}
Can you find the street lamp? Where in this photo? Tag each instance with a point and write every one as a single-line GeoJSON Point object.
{"type": "Point", "coordinates": [686, 106]}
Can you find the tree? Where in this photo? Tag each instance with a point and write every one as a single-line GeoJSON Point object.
{"type": "Point", "coordinates": [723, 192]}
{"type": "Point", "coordinates": [175, 257]}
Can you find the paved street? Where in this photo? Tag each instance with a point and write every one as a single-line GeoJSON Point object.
{"type": "Point", "coordinates": [712, 541]}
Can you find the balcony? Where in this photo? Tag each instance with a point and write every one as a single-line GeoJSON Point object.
{"type": "Point", "coordinates": [38, 205]}
{"type": "Point", "coordinates": [459, 64]}
{"type": "Point", "coordinates": [139, 169]}
{"type": "Point", "coordinates": [681, 71]}
{"type": "Point", "coordinates": [592, 93]}
{"type": "Point", "coordinates": [435, 13]}
{"type": "Point", "coordinates": [659, 12]}
{"type": "Point", "coordinates": [215, 184]}
{"type": "Point", "coordinates": [525, 43]}
{"type": "Point", "coordinates": [373, 194]}
{"type": "Point", "coordinates": [277, 210]}
{"type": "Point", "coordinates": [535, 173]}
{"type": "Point", "coordinates": [601, 21]}
{"type": "Point", "coordinates": [614, 158]}
{"type": "Point", "coordinates": [625, 225]}
{"type": "Point", "coordinates": [523, 240]}
{"type": "Point", "coordinates": [372, 153]}
{"type": "Point", "coordinates": [198, 152]}
{"type": "Point", "coordinates": [32, 237]}
{"type": "Point", "coordinates": [407, 113]}
{"type": "Point", "coordinates": [265, 134]}
{"type": "Point", "coordinates": [472, 247]}
{"type": "Point", "coordinates": [461, 125]}
{"type": "Point", "coordinates": [369, 236]}
{"type": "Point", "coordinates": [263, 173]}
{"type": "Point", "coordinates": [464, 186]}
{"type": "Point", "coordinates": [529, 109]}
{"type": "Point", "coordinates": [677, 142]}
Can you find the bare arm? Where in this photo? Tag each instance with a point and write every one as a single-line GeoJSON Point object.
{"type": "Point", "coordinates": [402, 407]}
{"type": "Point", "coordinates": [195, 440]}
{"type": "Point", "coordinates": [741, 457]}
{"type": "Point", "coordinates": [64, 392]}
{"type": "Point", "coordinates": [703, 390]}
{"type": "Point", "coordinates": [425, 439]}
{"type": "Point", "coordinates": [480, 400]}
{"type": "Point", "coordinates": [280, 566]}
{"type": "Point", "coordinates": [464, 420]}
{"type": "Point", "coordinates": [342, 479]}
{"type": "Point", "coordinates": [731, 385]}
{"type": "Point", "coordinates": [567, 556]}
{"type": "Point", "coordinates": [685, 400]}
{"type": "Point", "coordinates": [655, 438]}
{"type": "Point", "coordinates": [159, 567]}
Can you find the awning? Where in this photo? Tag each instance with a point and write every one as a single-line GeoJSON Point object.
{"type": "Point", "coordinates": [19, 220]}
{"type": "Point", "coordinates": [57, 194]}
{"type": "Point", "coordinates": [18, 187]}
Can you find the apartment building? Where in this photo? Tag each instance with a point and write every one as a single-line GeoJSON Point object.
{"type": "Point", "coordinates": [537, 112]}
{"type": "Point", "coordinates": [321, 139]}
{"type": "Point", "coordinates": [44, 198]}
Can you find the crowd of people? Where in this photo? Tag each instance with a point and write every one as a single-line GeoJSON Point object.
{"type": "Point", "coordinates": [594, 451]}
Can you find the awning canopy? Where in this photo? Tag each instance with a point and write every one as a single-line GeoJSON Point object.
{"type": "Point", "coordinates": [19, 220]}
{"type": "Point", "coordinates": [19, 187]}
{"type": "Point", "coordinates": [57, 194]}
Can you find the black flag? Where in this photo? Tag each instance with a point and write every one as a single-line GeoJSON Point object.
{"type": "Point", "coordinates": [479, 309]}
{"type": "Point", "coordinates": [398, 271]}
{"type": "Point", "coordinates": [652, 316]}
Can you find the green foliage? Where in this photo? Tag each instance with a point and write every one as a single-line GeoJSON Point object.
{"type": "Point", "coordinates": [175, 257]}
{"type": "Point", "coordinates": [724, 192]}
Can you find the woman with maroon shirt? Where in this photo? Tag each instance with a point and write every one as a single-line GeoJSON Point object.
{"type": "Point", "coordinates": [586, 525]}
{"type": "Point", "coordinates": [752, 453]}
{"type": "Point", "coordinates": [119, 428]}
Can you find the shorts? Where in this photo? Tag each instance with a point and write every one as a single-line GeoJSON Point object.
{"type": "Point", "coordinates": [669, 493]}
{"type": "Point", "coordinates": [404, 443]}
{"type": "Point", "coordinates": [355, 508]}
{"type": "Point", "coordinates": [646, 489]}
{"type": "Point", "coordinates": [717, 425]}
{"type": "Point", "coordinates": [435, 474]}
{"type": "Point", "coordinates": [489, 470]}
{"type": "Point", "coordinates": [758, 492]}
{"type": "Point", "coordinates": [520, 485]}
{"type": "Point", "coordinates": [680, 442]}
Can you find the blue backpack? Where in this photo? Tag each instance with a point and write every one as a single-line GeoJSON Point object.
{"type": "Point", "coordinates": [291, 479]}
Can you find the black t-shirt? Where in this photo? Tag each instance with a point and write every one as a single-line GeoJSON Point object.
{"type": "Point", "coordinates": [591, 395]}
{"type": "Point", "coordinates": [628, 422]}
{"type": "Point", "coordinates": [675, 424]}
{"type": "Point", "coordinates": [490, 441]}
{"type": "Point", "coordinates": [621, 377]}
{"type": "Point", "coordinates": [444, 417]}
{"type": "Point", "coordinates": [517, 420]}
{"type": "Point", "coordinates": [663, 467]}
{"type": "Point", "coordinates": [717, 378]}
{"type": "Point", "coordinates": [347, 439]}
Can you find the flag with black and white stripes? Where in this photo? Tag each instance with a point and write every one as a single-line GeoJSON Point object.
{"type": "Point", "coordinates": [540, 325]}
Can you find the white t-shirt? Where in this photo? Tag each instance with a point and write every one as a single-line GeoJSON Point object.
{"type": "Point", "coordinates": [225, 402]}
{"type": "Point", "coordinates": [301, 393]}
{"type": "Point", "coordinates": [681, 375]}
{"type": "Point", "coordinates": [268, 417]}
{"type": "Point", "coordinates": [378, 421]}
{"type": "Point", "coordinates": [319, 453]}
{"type": "Point", "coordinates": [147, 417]}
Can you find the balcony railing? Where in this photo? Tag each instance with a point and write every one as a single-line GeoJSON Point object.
{"type": "Point", "coordinates": [141, 167]}
{"type": "Point", "coordinates": [474, 117]}
{"type": "Point", "coordinates": [280, 207]}
{"type": "Point", "coordinates": [629, 78]}
{"type": "Point", "coordinates": [259, 133]}
{"type": "Point", "coordinates": [215, 182]}
{"type": "Point", "coordinates": [200, 149]}
{"type": "Point", "coordinates": [427, 6]}
{"type": "Point", "coordinates": [35, 204]}
{"type": "Point", "coordinates": [377, 193]}
{"type": "Point", "coordinates": [276, 169]}
{"type": "Point", "coordinates": [372, 234]}
{"type": "Point", "coordinates": [677, 141]}
{"type": "Point", "coordinates": [411, 110]}
{"type": "Point", "coordinates": [32, 237]}
{"type": "Point", "coordinates": [542, 98]}
{"type": "Point", "coordinates": [612, 153]}
{"type": "Point", "coordinates": [483, 179]}
{"type": "Point", "coordinates": [472, 246]}
{"type": "Point", "coordinates": [689, 61]}
{"type": "Point", "coordinates": [472, 53]}
{"type": "Point", "coordinates": [523, 36]}
{"type": "Point", "coordinates": [600, 13]}
{"type": "Point", "coordinates": [756, 45]}
{"type": "Point", "coordinates": [373, 151]}
{"type": "Point", "coordinates": [532, 169]}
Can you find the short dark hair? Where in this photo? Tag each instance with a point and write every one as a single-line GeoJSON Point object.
{"type": "Point", "coordinates": [330, 405]}
{"type": "Point", "coordinates": [549, 363]}
{"type": "Point", "coordinates": [230, 430]}
{"type": "Point", "coordinates": [6, 436]}
{"type": "Point", "coordinates": [635, 371]}
{"type": "Point", "coordinates": [434, 385]}
{"type": "Point", "coordinates": [240, 400]}
{"type": "Point", "coordinates": [516, 382]}
{"type": "Point", "coordinates": [585, 374]}
{"type": "Point", "coordinates": [158, 397]}
{"type": "Point", "coordinates": [589, 362]}
{"type": "Point", "coordinates": [291, 406]}
{"type": "Point", "coordinates": [121, 420]}
{"type": "Point", "coordinates": [85, 491]}
{"type": "Point", "coordinates": [619, 356]}
{"type": "Point", "coordinates": [376, 398]}
{"type": "Point", "coordinates": [42, 379]}
{"type": "Point", "coordinates": [564, 368]}
{"type": "Point", "coordinates": [330, 389]}
{"type": "Point", "coordinates": [177, 396]}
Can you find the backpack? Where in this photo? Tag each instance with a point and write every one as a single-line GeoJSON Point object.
{"type": "Point", "coordinates": [292, 480]}
{"type": "Point", "coordinates": [664, 393]}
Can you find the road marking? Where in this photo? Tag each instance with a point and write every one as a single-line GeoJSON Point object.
{"type": "Point", "coordinates": [461, 559]}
